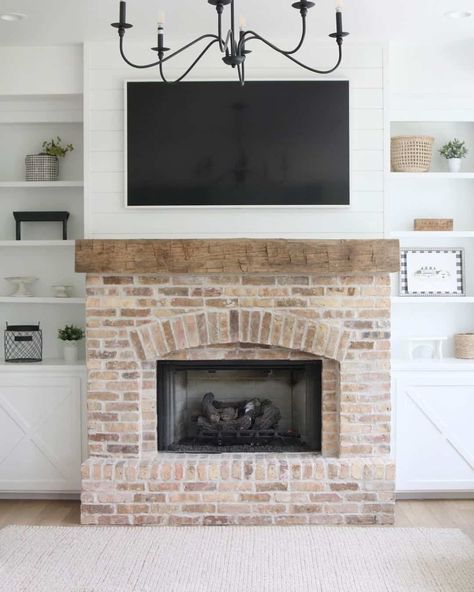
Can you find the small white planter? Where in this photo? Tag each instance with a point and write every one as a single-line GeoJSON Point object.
{"type": "Point", "coordinates": [454, 165]}
{"type": "Point", "coordinates": [71, 351]}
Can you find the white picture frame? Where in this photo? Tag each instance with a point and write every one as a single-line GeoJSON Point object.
{"type": "Point", "coordinates": [432, 272]}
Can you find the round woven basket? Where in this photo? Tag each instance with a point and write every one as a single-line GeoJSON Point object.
{"type": "Point", "coordinates": [412, 154]}
{"type": "Point", "coordinates": [464, 346]}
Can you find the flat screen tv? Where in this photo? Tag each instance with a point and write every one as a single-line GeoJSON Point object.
{"type": "Point", "coordinates": [221, 144]}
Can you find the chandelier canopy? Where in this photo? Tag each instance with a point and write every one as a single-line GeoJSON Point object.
{"type": "Point", "coordinates": [233, 46]}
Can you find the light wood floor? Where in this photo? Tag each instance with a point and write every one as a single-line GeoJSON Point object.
{"type": "Point", "coordinates": [423, 513]}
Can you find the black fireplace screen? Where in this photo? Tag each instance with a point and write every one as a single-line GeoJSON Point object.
{"type": "Point", "coordinates": [239, 406]}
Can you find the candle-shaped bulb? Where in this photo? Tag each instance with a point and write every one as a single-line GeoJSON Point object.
{"type": "Point", "coordinates": [339, 5]}
{"type": "Point", "coordinates": [243, 23]}
{"type": "Point", "coordinates": [123, 13]}
{"type": "Point", "coordinates": [339, 29]}
{"type": "Point", "coordinates": [161, 19]}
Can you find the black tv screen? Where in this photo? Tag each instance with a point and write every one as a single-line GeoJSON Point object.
{"type": "Point", "coordinates": [218, 143]}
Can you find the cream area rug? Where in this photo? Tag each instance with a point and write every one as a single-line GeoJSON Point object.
{"type": "Point", "coordinates": [228, 559]}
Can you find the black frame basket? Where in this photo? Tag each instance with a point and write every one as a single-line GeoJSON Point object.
{"type": "Point", "coordinates": [23, 343]}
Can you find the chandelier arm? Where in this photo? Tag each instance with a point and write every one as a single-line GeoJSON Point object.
{"type": "Point", "coordinates": [164, 59]}
{"type": "Point", "coordinates": [222, 42]}
{"type": "Point", "coordinates": [253, 35]}
{"type": "Point", "coordinates": [201, 55]}
{"type": "Point", "coordinates": [290, 57]}
{"type": "Point", "coordinates": [315, 70]}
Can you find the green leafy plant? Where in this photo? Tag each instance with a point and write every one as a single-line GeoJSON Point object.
{"type": "Point", "coordinates": [55, 148]}
{"type": "Point", "coordinates": [71, 333]}
{"type": "Point", "coordinates": [454, 149]}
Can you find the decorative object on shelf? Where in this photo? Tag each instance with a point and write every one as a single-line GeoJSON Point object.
{"type": "Point", "coordinates": [45, 165]}
{"type": "Point", "coordinates": [233, 45]}
{"type": "Point", "coordinates": [434, 224]}
{"type": "Point", "coordinates": [23, 285]}
{"type": "Point", "coordinates": [432, 272]}
{"type": "Point", "coordinates": [40, 217]}
{"type": "Point", "coordinates": [464, 346]}
{"type": "Point", "coordinates": [411, 154]}
{"type": "Point", "coordinates": [23, 343]}
{"type": "Point", "coordinates": [454, 151]}
{"type": "Point", "coordinates": [426, 348]}
{"type": "Point", "coordinates": [62, 291]}
{"type": "Point", "coordinates": [70, 335]}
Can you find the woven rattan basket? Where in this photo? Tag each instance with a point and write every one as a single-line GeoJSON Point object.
{"type": "Point", "coordinates": [464, 346]}
{"type": "Point", "coordinates": [412, 154]}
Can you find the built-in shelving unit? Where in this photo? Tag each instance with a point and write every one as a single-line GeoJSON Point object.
{"type": "Point", "coordinates": [435, 194]}
{"type": "Point", "coordinates": [25, 122]}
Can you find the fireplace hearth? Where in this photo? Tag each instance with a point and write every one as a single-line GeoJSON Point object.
{"type": "Point", "coordinates": [239, 406]}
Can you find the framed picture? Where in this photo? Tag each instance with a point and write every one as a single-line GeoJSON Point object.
{"type": "Point", "coordinates": [432, 272]}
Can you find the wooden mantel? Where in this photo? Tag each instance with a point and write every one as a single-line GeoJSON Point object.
{"type": "Point", "coordinates": [237, 256]}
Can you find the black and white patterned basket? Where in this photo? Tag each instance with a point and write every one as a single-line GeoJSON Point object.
{"type": "Point", "coordinates": [23, 343]}
{"type": "Point", "coordinates": [41, 167]}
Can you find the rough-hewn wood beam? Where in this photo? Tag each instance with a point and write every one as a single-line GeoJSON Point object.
{"type": "Point", "coordinates": [237, 256]}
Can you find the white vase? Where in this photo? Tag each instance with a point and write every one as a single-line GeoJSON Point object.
{"type": "Point", "coordinates": [454, 165]}
{"type": "Point", "coordinates": [70, 351]}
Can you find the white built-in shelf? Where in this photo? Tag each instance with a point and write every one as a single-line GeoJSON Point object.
{"type": "Point", "coordinates": [46, 365]}
{"type": "Point", "coordinates": [432, 299]}
{"type": "Point", "coordinates": [40, 300]}
{"type": "Point", "coordinates": [432, 234]}
{"type": "Point", "coordinates": [36, 243]}
{"type": "Point", "coordinates": [40, 184]}
{"type": "Point", "coordinates": [438, 176]}
{"type": "Point", "coordinates": [421, 365]}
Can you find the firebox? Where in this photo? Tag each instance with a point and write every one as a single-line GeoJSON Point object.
{"type": "Point", "coordinates": [239, 406]}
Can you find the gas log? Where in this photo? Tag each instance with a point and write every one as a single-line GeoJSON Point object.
{"type": "Point", "coordinates": [251, 414]}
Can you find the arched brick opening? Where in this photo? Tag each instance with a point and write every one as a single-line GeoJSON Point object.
{"type": "Point", "coordinates": [287, 334]}
{"type": "Point", "coordinates": [261, 328]}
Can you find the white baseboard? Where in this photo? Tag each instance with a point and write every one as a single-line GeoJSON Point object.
{"type": "Point", "coordinates": [433, 495]}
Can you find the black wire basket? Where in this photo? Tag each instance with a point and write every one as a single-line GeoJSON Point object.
{"type": "Point", "coordinates": [23, 343]}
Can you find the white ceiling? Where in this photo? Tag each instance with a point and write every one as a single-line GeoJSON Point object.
{"type": "Point", "coordinates": [52, 22]}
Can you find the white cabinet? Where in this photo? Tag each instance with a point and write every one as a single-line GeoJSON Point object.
{"type": "Point", "coordinates": [433, 435]}
{"type": "Point", "coordinates": [41, 428]}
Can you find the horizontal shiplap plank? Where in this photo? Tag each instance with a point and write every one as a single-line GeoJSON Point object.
{"type": "Point", "coordinates": [367, 181]}
{"type": "Point", "coordinates": [367, 98]}
{"type": "Point", "coordinates": [106, 140]}
{"type": "Point", "coordinates": [367, 119]}
{"type": "Point", "coordinates": [113, 79]}
{"type": "Point", "coordinates": [367, 160]}
{"type": "Point", "coordinates": [369, 201]}
{"type": "Point", "coordinates": [111, 162]}
{"type": "Point", "coordinates": [107, 120]}
{"type": "Point", "coordinates": [368, 55]}
{"type": "Point", "coordinates": [257, 220]}
{"type": "Point", "coordinates": [362, 139]}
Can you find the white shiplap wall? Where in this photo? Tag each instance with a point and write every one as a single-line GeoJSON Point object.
{"type": "Point", "coordinates": [106, 216]}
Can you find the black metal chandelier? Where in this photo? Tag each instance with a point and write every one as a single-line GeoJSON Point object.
{"type": "Point", "coordinates": [232, 46]}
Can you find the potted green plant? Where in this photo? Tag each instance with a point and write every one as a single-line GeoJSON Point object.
{"type": "Point", "coordinates": [45, 165]}
{"type": "Point", "coordinates": [70, 335]}
{"type": "Point", "coordinates": [454, 151]}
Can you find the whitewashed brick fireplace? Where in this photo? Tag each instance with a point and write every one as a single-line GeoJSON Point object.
{"type": "Point", "coordinates": [238, 300]}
